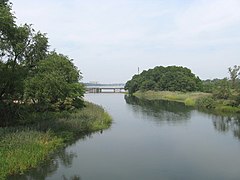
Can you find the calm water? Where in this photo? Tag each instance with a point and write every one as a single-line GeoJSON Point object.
{"type": "Point", "coordinates": [150, 140]}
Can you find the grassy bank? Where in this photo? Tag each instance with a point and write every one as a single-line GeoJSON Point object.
{"type": "Point", "coordinates": [195, 99]}
{"type": "Point", "coordinates": [22, 148]}
{"type": "Point", "coordinates": [189, 98]}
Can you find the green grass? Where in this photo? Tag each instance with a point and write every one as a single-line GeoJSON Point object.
{"type": "Point", "coordinates": [190, 101]}
{"type": "Point", "coordinates": [195, 99]}
{"type": "Point", "coordinates": [21, 150]}
{"type": "Point", "coordinates": [188, 98]}
{"type": "Point", "coordinates": [24, 147]}
{"type": "Point", "coordinates": [227, 109]}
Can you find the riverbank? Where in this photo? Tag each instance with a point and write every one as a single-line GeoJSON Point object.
{"type": "Point", "coordinates": [23, 148]}
{"type": "Point", "coordinates": [194, 99]}
{"type": "Point", "coordinates": [188, 99]}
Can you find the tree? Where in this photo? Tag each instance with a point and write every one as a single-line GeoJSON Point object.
{"type": "Point", "coordinates": [29, 74]}
{"type": "Point", "coordinates": [147, 85]}
{"type": "Point", "coordinates": [55, 84]}
{"type": "Point", "coordinates": [20, 49]}
{"type": "Point", "coordinates": [7, 20]}
{"type": "Point", "coordinates": [222, 89]}
{"type": "Point", "coordinates": [234, 73]}
{"type": "Point", "coordinates": [171, 78]}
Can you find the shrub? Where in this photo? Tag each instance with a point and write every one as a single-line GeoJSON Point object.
{"type": "Point", "coordinates": [190, 102]}
{"type": "Point", "coordinates": [206, 102]}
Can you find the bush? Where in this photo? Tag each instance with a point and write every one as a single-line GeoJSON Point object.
{"type": "Point", "coordinates": [228, 109]}
{"type": "Point", "coordinates": [222, 90]}
{"type": "Point", "coordinates": [236, 99]}
{"type": "Point", "coordinates": [206, 102]}
{"type": "Point", "coordinates": [229, 103]}
{"type": "Point", "coordinates": [190, 102]}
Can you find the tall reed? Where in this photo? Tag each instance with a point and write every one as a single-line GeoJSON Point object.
{"type": "Point", "coordinates": [24, 147]}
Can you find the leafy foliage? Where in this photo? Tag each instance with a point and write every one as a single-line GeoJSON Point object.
{"type": "Point", "coordinates": [20, 48]}
{"type": "Point", "coordinates": [225, 89]}
{"type": "Point", "coordinates": [206, 102]}
{"type": "Point", "coordinates": [30, 74]}
{"type": "Point", "coordinates": [171, 78]}
{"type": "Point", "coordinates": [222, 89]}
{"type": "Point", "coordinates": [234, 73]}
{"type": "Point", "coordinates": [55, 84]}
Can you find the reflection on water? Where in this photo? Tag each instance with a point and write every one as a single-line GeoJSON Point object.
{"type": "Point", "coordinates": [50, 166]}
{"type": "Point", "coordinates": [225, 124]}
{"type": "Point", "coordinates": [149, 140]}
{"type": "Point", "coordinates": [162, 111]}
{"type": "Point", "coordinates": [175, 112]}
{"type": "Point", "coordinates": [72, 178]}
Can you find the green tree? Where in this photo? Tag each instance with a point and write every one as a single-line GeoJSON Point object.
{"type": "Point", "coordinates": [147, 85]}
{"type": "Point", "coordinates": [20, 49]}
{"type": "Point", "coordinates": [234, 73]}
{"type": "Point", "coordinates": [7, 20]}
{"type": "Point", "coordinates": [171, 78]}
{"type": "Point", "coordinates": [55, 84]}
{"type": "Point", "coordinates": [222, 89]}
{"type": "Point", "coordinates": [29, 74]}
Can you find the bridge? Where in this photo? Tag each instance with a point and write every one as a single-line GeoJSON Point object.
{"type": "Point", "coordinates": [105, 89]}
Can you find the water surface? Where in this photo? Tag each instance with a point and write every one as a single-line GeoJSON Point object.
{"type": "Point", "coordinates": [150, 140]}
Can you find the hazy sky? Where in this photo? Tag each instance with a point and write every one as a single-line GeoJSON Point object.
{"type": "Point", "coordinates": [110, 39]}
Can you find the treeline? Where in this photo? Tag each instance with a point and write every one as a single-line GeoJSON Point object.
{"type": "Point", "coordinates": [227, 88]}
{"type": "Point", "coordinates": [223, 94]}
{"type": "Point", "coordinates": [171, 78]}
{"type": "Point", "coordinates": [32, 78]}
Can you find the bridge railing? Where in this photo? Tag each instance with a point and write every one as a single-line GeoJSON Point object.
{"type": "Point", "coordinates": [105, 90]}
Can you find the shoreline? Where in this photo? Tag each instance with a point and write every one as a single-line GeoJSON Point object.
{"type": "Point", "coordinates": [195, 99]}
{"type": "Point", "coordinates": [25, 147]}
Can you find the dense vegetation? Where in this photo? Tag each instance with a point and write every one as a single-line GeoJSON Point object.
{"type": "Point", "coordinates": [24, 147]}
{"type": "Point", "coordinates": [41, 98]}
{"type": "Point", "coordinates": [31, 76]}
{"type": "Point", "coordinates": [225, 91]}
{"type": "Point", "coordinates": [218, 94]}
{"type": "Point", "coordinates": [188, 98]}
{"type": "Point", "coordinates": [171, 78]}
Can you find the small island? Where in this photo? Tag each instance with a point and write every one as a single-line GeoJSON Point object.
{"type": "Point", "coordinates": [178, 83]}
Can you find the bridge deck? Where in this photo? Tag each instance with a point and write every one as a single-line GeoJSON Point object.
{"type": "Point", "coordinates": [105, 89]}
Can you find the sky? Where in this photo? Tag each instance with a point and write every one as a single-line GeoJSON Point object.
{"type": "Point", "coordinates": [110, 39]}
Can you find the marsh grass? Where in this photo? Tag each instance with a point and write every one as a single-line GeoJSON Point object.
{"type": "Point", "coordinates": [228, 109]}
{"type": "Point", "coordinates": [196, 99]}
{"type": "Point", "coordinates": [188, 98]}
{"type": "Point", "coordinates": [24, 147]}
